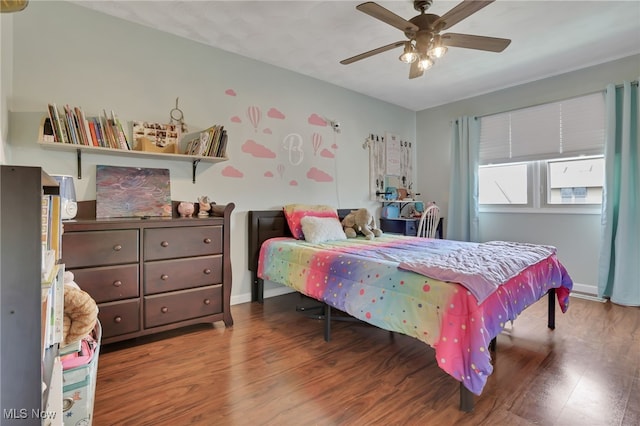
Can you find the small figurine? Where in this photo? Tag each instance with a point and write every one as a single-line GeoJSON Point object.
{"type": "Point", "coordinates": [186, 209]}
{"type": "Point", "coordinates": [205, 206]}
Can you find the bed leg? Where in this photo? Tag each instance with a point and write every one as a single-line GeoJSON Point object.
{"type": "Point", "coordinates": [327, 323]}
{"type": "Point", "coordinates": [257, 290]}
{"type": "Point", "coordinates": [551, 320]}
{"type": "Point", "coordinates": [466, 399]}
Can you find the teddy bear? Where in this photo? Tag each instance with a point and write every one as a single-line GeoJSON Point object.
{"type": "Point", "coordinates": [360, 221]}
{"type": "Point", "coordinates": [80, 311]}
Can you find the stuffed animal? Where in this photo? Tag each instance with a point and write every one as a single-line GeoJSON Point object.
{"type": "Point", "coordinates": [360, 221]}
{"type": "Point", "coordinates": [80, 311]}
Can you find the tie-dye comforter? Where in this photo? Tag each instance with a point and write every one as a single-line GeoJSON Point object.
{"type": "Point", "coordinates": [362, 278]}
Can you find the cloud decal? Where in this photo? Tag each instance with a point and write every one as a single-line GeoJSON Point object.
{"type": "Point", "coordinates": [267, 131]}
{"type": "Point", "coordinates": [274, 113]}
{"type": "Point", "coordinates": [257, 150]}
{"type": "Point", "coordinates": [230, 171]}
{"type": "Point", "coordinates": [316, 120]}
{"type": "Point", "coordinates": [230, 92]}
{"type": "Point", "coordinates": [318, 175]}
{"type": "Point", "coordinates": [236, 119]}
{"type": "Point", "coordinates": [293, 183]}
{"type": "Point", "coordinates": [268, 174]}
{"type": "Point", "coordinates": [326, 153]}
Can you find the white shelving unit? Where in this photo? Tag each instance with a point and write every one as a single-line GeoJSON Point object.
{"type": "Point", "coordinates": [79, 149]}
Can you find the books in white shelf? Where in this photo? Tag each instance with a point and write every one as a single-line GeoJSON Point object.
{"type": "Point", "coordinates": [72, 126]}
{"type": "Point", "coordinates": [211, 142]}
{"type": "Point", "coordinates": [51, 234]}
{"type": "Point", "coordinates": [53, 308]}
{"type": "Point", "coordinates": [48, 264]}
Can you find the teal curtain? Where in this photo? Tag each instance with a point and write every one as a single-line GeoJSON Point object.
{"type": "Point", "coordinates": [619, 268]}
{"type": "Point", "coordinates": [462, 216]}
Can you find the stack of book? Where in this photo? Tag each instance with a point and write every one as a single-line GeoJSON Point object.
{"type": "Point", "coordinates": [211, 142]}
{"type": "Point", "coordinates": [52, 275]}
{"type": "Point", "coordinates": [70, 125]}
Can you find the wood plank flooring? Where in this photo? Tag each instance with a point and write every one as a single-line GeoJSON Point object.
{"type": "Point", "coordinates": [274, 368]}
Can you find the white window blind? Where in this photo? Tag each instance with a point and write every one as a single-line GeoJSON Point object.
{"type": "Point", "coordinates": [560, 129]}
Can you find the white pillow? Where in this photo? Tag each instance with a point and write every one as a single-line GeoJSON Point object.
{"type": "Point", "coordinates": [321, 229]}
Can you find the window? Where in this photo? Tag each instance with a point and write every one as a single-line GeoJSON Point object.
{"type": "Point", "coordinates": [504, 184]}
{"type": "Point", "coordinates": [575, 181]}
{"type": "Point", "coordinates": [544, 156]}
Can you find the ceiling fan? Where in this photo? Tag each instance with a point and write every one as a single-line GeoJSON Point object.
{"type": "Point", "coordinates": [425, 44]}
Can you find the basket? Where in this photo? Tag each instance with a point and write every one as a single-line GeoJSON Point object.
{"type": "Point", "coordinates": [147, 145]}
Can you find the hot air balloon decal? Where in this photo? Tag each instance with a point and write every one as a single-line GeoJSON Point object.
{"type": "Point", "coordinates": [316, 142]}
{"type": "Point", "coordinates": [254, 114]}
{"type": "Point", "coordinates": [281, 170]}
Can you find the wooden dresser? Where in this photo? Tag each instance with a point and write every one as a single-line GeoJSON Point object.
{"type": "Point", "coordinates": [151, 275]}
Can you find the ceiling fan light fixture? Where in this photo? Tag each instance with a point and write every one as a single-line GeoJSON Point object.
{"type": "Point", "coordinates": [409, 55]}
{"type": "Point", "coordinates": [438, 50]}
{"type": "Point", "coordinates": [425, 63]}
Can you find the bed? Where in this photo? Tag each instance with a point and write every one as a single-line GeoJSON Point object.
{"type": "Point", "coordinates": [383, 282]}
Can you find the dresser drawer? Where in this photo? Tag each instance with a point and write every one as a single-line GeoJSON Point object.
{"type": "Point", "coordinates": [182, 305]}
{"type": "Point", "coordinates": [119, 317]}
{"type": "Point", "coordinates": [109, 283]}
{"type": "Point", "coordinates": [167, 243]}
{"type": "Point", "coordinates": [177, 274]}
{"type": "Point", "coordinates": [98, 248]}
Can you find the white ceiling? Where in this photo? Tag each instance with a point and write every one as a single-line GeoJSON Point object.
{"type": "Point", "coordinates": [311, 37]}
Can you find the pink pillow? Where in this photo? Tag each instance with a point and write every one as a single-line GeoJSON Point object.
{"type": "Point", "coordinates": [294, 212]}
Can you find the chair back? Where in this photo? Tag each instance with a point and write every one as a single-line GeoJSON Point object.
{"type": "Point", "coordinates": [429, 222]}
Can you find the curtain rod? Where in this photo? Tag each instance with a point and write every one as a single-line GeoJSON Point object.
{"type": "Point", "coordinates": [618, 86]}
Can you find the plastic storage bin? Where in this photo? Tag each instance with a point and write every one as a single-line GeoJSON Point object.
{"type": "Point", "coordinates": [79, 386]}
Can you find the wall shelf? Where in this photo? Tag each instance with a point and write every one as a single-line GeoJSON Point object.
{"type": "Point", "coordinates": [194, 159]}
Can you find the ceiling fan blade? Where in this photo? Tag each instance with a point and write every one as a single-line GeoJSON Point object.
{"type": "Point", "coordinates": [372, 52]}
{"type": "Point", "coordinates": [415, 70]}
{"type": "Point", "coordinates": [491, 44]}
{"type": "Point", "coordinates": [461, 11]}
{"type": "Point", "coordinates": [387, 16]}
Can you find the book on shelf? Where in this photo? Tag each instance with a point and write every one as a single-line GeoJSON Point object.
{"type": "Point", "coordinates": [55, 226]}
{"type": "Point", "coordinates": [48, 267]}
{"type": "Point", "coordinates": [58, 314]}
{"type": "Point", "coordinates": [71, 125]}
{"type": "Point", "coordinates": [122, 136]}
{"type": "Point", "coordinates": [53, 308]}
{"type": "Point", "coordinates": [206, 142]}
{"type": "Point", "coordinates": [58, 126]}
{"type": "Point", "coordinates": [45, 209]}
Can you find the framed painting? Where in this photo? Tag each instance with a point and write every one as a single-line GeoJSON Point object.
{"type": "Point", "coordinates": [132, 192]}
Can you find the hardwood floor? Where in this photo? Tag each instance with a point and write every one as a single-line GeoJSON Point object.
{"type": "Point", "coordinates": [274, 368]}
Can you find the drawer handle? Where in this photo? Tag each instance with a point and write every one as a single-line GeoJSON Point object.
{"type": "Point", "coordinates": [117, 319]}
{"type": "Point", "coordinates": [117, 283]}
{"type": "Point", "coordinates": [164, 309]}
{"type": "Point", "coordinates": [207, 301]}
{"type": "Point", "coordinates": [117, 247]}
{"type": "Point", "coordinates": [164, 277]}
{"type": "Point", "coordinates": [164, 244]}
{"type": "Point", "coordinates": [207, 240]}
{"type": "Point", "coordinates": [207, 271]}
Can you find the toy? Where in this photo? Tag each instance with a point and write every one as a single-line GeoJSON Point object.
{"type": "Point", "coordinates": [360, 221]}
{"type": "Point", "coordinates": [204, 206]}
{"type": "Point", "coordinates": [186, 209]}
{"type": "Point", "coordinates": [80, 311]}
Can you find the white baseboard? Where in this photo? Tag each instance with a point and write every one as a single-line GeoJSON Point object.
{"type": "Point", "coordinates": [586, 289]}
{"type": "Point", "coordinates": [271, 292]}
